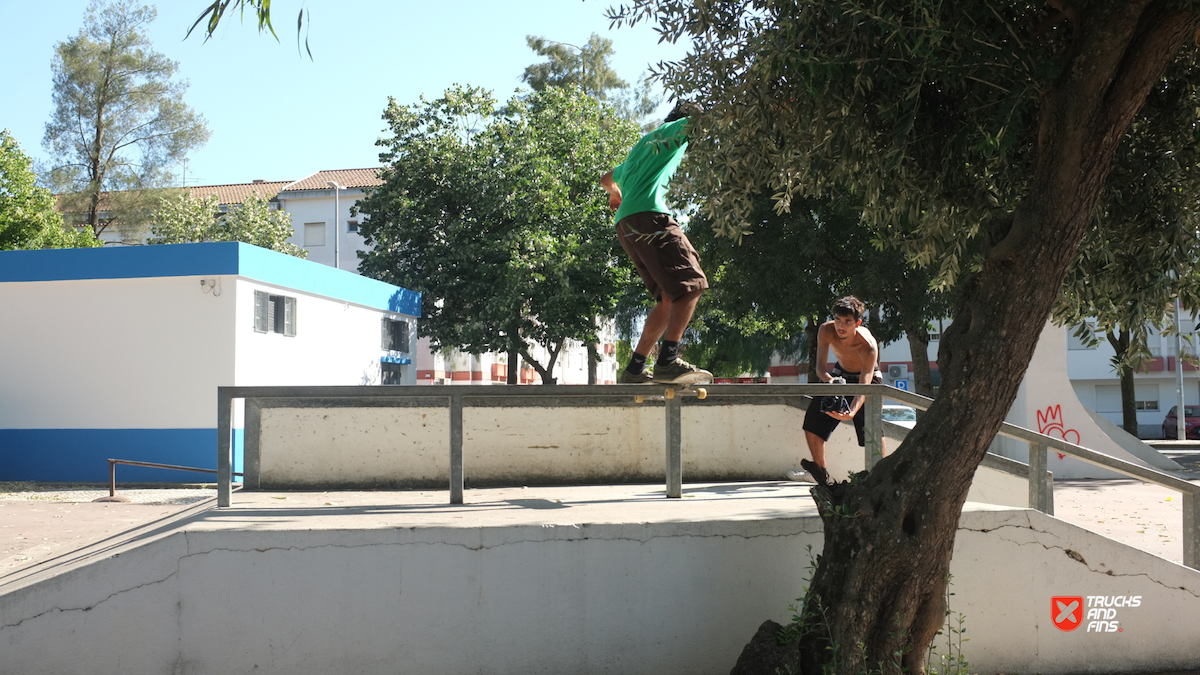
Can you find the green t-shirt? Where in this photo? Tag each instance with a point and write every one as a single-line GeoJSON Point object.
{"type": "Point", "coordinates": [645, 173]}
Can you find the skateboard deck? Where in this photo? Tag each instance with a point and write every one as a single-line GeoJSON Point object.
{"type": "Point", "coordinates": [674, 389]}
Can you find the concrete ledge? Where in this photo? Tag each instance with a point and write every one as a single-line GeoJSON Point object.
{"type": "Point", "coordinates": [331, 443]}
{"type": "Point", "coordinates": [550, 580]}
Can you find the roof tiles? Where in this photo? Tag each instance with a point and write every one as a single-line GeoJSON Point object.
{"type": "Point", "coordinates": [347, 178]}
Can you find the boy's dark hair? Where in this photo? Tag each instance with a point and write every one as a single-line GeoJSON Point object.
{"type": "Point", "coordinates": [683, 109]}
{"type": "Point", "coordinates": [849, 306]}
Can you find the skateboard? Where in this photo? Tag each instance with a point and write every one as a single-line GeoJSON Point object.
{"type": "Point", "coordinates": [674, 389]}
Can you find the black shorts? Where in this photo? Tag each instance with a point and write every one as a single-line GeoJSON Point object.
{"type": "Point", "coordinates": [823, 425]}
{"type": "Point", "coordinates": [662, 254]}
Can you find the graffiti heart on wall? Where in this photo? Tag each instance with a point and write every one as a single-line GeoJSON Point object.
{"type": "Point", "coordinates": [1051, 423]}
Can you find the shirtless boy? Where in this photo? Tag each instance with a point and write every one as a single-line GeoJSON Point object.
{"type": "Point", "coordinates": [856, 352]}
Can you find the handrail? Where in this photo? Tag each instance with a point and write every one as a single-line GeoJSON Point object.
{"type": "Point", "coordinates": [1040, 496]}
{"type": "Point", "coordinates": [112, 475]}
{"type": "Point", "coordinates": [1070, 449]}
{"type": "Point", "coordinates": [459, 396]}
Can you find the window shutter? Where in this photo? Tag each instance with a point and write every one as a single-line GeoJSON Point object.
{"type": "Point", "coordinates": [272, 314]}
{"type": "Point", "coordinates": [402, 340]}
{"type": "Point", "coordinates": [289, 313]}
{"type": "Point", "coordinates": [260, 312]}
{"type": "Point", "coordinates": [386, 344]}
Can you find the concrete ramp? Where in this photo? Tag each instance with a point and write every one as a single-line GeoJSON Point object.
{"type": "Point", "coordinates": [1047, 403]}
{"type": "Point", "coordinates": [1134, 445]}
{"type": "Point", "coordinates": [552, 580]}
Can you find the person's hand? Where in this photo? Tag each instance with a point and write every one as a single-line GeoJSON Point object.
{"type": "Point", "coordinates": [840, 416]}
{"type": "Point", "coordinates": [614, 201]}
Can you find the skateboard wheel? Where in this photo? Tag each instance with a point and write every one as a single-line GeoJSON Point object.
{"type": "Point", "coordinates": [639, 399]}
{"type": "Point", "coordinates": [701, 393]}
{"type": "Point", "coordinates": [670, 393]}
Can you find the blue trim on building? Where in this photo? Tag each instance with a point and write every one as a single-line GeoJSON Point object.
{"type": "Point", "coordinates": [217, 258]}
{"type": "Point", "coordinates": [402, 360]}
{"type": "Point", "coordinates": [81, 455]}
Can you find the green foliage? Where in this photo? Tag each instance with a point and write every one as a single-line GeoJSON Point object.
{"type": "Point", "coordinates": [494, 215]}
{"type": "Point", "coordinates": [184, 219]}
{"type": "Point", "coordinates": [949, 660]}
{"type": "Point", "coordinates": [212, 15]}
{"type": "Point", "coordinates": [587, 67]}
{"type": "Point", "coordinates": [818, 251]}
{"type": "Point", "coordinates": [119, 120]}
{"type": "Point", "coordinates": [925, 113]}
{"type": "Point", "coordinates": [567, 65]}
{"type": "Point", "coordinates": [28, 219]}
{"type": "Point", "coordinates": [1144, 248]}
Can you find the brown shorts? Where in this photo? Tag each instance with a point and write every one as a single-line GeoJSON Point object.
{"type": "Point", "coordinates": [662, 254]}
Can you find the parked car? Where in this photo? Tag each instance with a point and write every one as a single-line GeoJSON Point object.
{"type": "Point", "coordinates": [903, 415]}
{"type": "Point", "coordinates": [1191, 423]}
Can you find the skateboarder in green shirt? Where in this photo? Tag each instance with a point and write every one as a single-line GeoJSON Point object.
{"type": "Point", "coordinates": [661, 252]}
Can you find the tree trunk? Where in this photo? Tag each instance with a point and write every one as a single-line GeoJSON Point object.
{"type": "Point", "coordinates": [888, 537]}
{"type": "Point", "coordinates": [810, 332]}
{"type": "Point", "coordinates": [548, 369]}
{"type": "Point", "coordinates": [593, 361]}
{"type": "Point", "coordinates": [514, 366]}
{"type": "Point", "coordinates": [918, 349]}
{"type": "Point", "coordinates": [1120, 345]}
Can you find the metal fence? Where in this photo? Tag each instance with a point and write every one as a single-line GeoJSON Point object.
{"type": "Point", "coordinates": [671, 398]}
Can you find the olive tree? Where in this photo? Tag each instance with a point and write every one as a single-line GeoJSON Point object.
{"type": "Point", "coordinates": [119, 124]}
{"type": "Point", "coordinates": [960, 127]}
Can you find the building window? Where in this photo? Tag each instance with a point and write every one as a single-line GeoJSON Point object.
{"type": "Point", "coordinates": [395, 335]}
{"type": "Point", "coordinates": [274, 314]}
{"type": "Point", "coordinates": [314, 234]}
{"type": "Point", "coordinates": [1145, 396]}
{"type": "Point", "coordinates": [391, 372]}
{"type": "Point", "coordinates": [1108, 397]}
{"type": "Point", "coordinates": [352, 226]}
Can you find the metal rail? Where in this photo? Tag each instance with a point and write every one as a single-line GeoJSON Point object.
{"type": "Point", "coordinates": [1041, 492]}
{"type": "Point", "coordinates": [112, 475]}
{"type": "Point", "coordinates": [456, 397]}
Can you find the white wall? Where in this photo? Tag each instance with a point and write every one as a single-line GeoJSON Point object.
{"type": "Point", "coordinates": [317, 206]}
{"type": "Point", "coordinates": [336, 342]}
{"type": "Point", "coordinates": [671, 588]}
{"type": "Point", "coordinates": [114, 353]}
{"type": "Point", "coordinates": [377, 446]}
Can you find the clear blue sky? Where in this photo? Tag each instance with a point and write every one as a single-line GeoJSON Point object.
{"type": "Point", "coordinates": [276, 115]}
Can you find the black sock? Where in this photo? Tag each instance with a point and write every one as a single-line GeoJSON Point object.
{"type": "Point", "coordinates": [668, 352]}
{"type": "Point", "coordinates": [636, 364]}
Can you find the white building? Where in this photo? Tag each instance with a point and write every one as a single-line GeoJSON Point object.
{"type": "Point", "coordinates": [117, 352]}
{"type": "Point", "coordinates": [320, 206]}
{"type": "Point", "coordinates": [1099, 388]}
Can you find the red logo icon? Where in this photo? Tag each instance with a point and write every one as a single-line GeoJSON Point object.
{"type": "Point", "coordinates": [1067, 612]}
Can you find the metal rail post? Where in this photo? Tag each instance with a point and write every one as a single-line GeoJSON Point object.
{"type": "Point", "coordinates": [1037, 476]}
{"type": "Point", "coordinates": [1191, 530]}
{"type": "Point", "coordinates": [456, 449]}
{"type": "Point", "coordinates": [873, 431]}
{"type": "Point", "coordinates": [224, 448]}
{"type": "Point", "coordinates": [674, 446]}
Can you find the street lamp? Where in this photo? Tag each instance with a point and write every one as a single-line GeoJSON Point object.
{"type": "Point", "coordinates": [337, 212]}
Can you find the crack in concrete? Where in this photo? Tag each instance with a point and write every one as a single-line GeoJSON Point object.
{"type": "Point", "coordinates": [1077, 557]}
{"type": "Point", "coordinates": [93, 605]}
